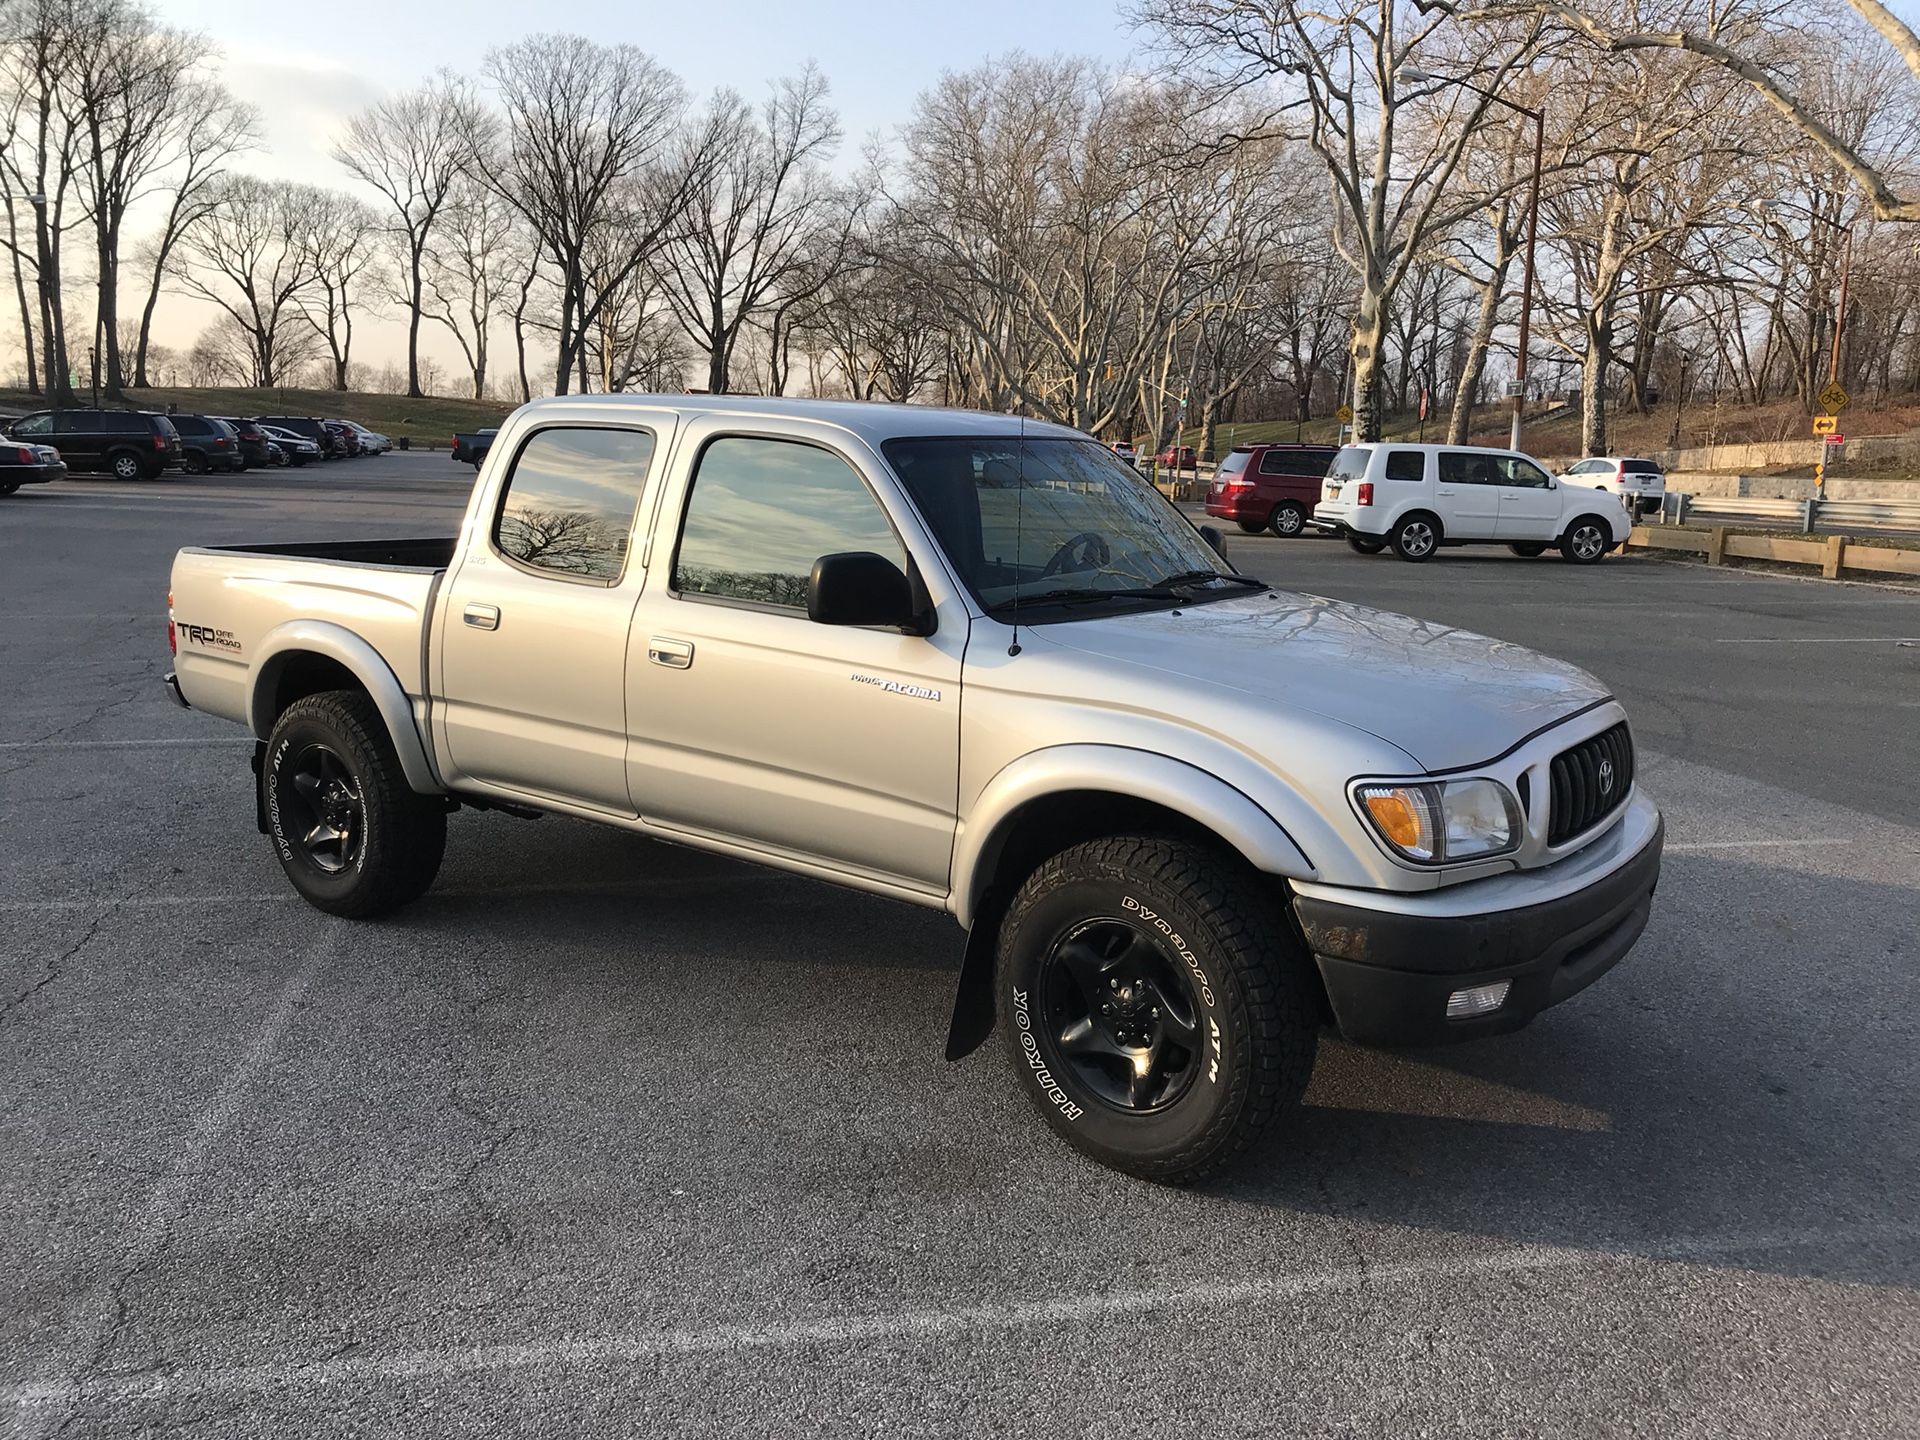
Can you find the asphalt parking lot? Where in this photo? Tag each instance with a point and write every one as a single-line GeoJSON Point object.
{"type": "Point", "coordinates": [607, 1138]}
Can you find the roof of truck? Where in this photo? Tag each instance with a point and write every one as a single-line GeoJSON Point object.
{"type": "Point", "coordinates": [873, 421]}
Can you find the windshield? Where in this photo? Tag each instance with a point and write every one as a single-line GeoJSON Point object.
{"type": "Point", "coordinates": [1054, 522]}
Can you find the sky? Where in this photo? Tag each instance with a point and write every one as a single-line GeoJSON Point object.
{"type": "Point", "coordinates": [306, 78]}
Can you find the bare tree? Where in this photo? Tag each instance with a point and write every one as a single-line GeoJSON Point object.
{"type": "Point", "coordinates": [341, 241]}
{"type": "Point", "coordinates": [248, 253]}
{"type": "Point", "coordinates": [475, 259]}
{"type": "Point", "coordinates": [757, 208]}
{"type": "Point", "coordinates": [411, 149]}
{"type": "Point", "coordinates": [591, 147]}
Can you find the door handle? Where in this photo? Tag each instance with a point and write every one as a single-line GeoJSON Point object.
{"type": "Point", "coordinates": [1447, 493]}
{"type": "Point", "coordinates": [674, 654]}
{"type": "Point", "coordinates": [482, 617]}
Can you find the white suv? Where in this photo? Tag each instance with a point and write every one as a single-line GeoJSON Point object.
{"type": "Point", "coordinates": [1417, 498]}
{"type": "Point", "coordinates": [1638, 484]}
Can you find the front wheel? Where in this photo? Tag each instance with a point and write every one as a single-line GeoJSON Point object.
{"type": "Point", "coordinates": [1160, 1015]}
{"type": "Point", "coordinates": [1529, 550]}
{"type": "Point", "coordinates": [1365, 546]}
{"type": "Point", "coordinates": [1587, 540]}
{"type": "Point", "coordinates": [1288, 519]}
{"type": "Point", "coordinates": [353, 837]}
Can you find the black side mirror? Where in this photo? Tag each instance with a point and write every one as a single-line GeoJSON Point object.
{"type": "Point", "coordinates": [857, 587]}
{"type": "Point", "coordinates": [1211, 534]}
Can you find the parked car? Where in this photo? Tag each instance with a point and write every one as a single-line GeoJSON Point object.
{"type": "Point", "coordinates": [470, 446]}
{"type": "Point", "coordinates": [1124, 449]}
{"type": "Point", "coordinates": [1639, 484]}
{"type": "Point", "coordinates": [296, 450]}
{"type": "Point", "coordinates": [127, 444]}
{"type": "Point", "coordinates": [1269, 487]}
{"type": "Point", "coordinates": [1418, 498]}
{"type": "Point", "coordinates": [23, 464]}
{"type": "Point", "coordinates": [276, 457]}
{"type": "Point", "coordinates": [1185, 819]}
{"type": "Point", "coordinates": [309, 427]}
{"type": "Point", "coordinates": [344, 436]}
{"type": "Point", "coordinates": [1172, 458]}
{"type": "Point", "coordinates": [207, 444]}
{"type": "Point", "coordinates": [372, 442]}
{"type": "Point", "coordinates": [253, 440]}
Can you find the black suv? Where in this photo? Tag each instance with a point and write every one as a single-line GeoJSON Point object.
{"type": "Point", "coordinates": [208, 444]}
{"type": "Point", "coordinates": [312, 429]}
{"type": "Point", "coordinates": [129, 444]}
{"type": "Point", "coordinates": [253, 440]}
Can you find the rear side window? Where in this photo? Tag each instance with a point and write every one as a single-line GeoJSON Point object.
{"type": "Point", "coordinates": [1406, 465]}
{"type": "Point", "coordinates": [1463, 467]}
{"type": "Point", "coordinates": [762, 511]}
{"type": "Point", "coordinates": [1350, 463]}
{"type": "Point", "coordinates": [569, 502]}
{"type": "Point", "coordinates": [1235, 462]}
{"type": "Point", "coordinates": [77, 422]}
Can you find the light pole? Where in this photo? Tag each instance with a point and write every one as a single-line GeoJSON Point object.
{"type": "Point", "coordinates": [1418, 77]}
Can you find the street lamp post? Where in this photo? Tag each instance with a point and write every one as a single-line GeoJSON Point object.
{"type": "Point", "coordinates": [1539, 118]}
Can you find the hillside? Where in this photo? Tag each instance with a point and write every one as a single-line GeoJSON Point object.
{"type": "Point", "coordinates": [427, 422]}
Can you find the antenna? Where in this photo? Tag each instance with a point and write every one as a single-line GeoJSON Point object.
{"type": "Point", "coordinates": [1019, 526]}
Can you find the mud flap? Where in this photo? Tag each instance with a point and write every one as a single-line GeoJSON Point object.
{"type": "Point", "coordinates": [258, 760]}
{"type": "Point", "coordinates": [972, 1019]}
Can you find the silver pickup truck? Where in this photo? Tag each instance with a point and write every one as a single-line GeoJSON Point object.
{"type": "Point", "coordinates": [971, 662]}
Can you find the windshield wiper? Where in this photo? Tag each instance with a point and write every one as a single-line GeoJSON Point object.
{"type": "Point", "coordinates": [1171, 588]}
{"type": "Point", "coordinates": [1200, 577]}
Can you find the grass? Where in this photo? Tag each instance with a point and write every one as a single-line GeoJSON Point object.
{"type": "Point", "coordinates": [430, 421]}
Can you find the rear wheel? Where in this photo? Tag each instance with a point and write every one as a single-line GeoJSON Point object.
{"type": "Point", "coordinates": [351, 834]}
{"type": "Point", "coordinates": [1587, 540]}
{"type": "Point", "coordinates": [1161, 1015]}
{"type": "Point", "coordinates": [1528, 550]}
{"type": "Point", "coordinates": [1250, 527]}
{"type": "Point", "coordinates": [1289, 518]}
{"type": "Point", "coordinates": [7, 487]}
{"type": "Point", "coordinates": [1416, 536]}
{"type": "Point", "coordinates": [195, 463]}
{"type": "Point", "coordinates": [1366, 546]}
{"type": "Point", "coordinates": [126, 466]}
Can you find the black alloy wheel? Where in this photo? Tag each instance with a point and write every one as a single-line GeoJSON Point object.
{"type": "Point", "coordinates": [1117, 1012]}
{"type": "Point", "coordinates": [328, 812]}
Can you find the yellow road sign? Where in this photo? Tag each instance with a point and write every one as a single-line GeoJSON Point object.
{"type": "Point", "coordinates": [1825, 424]}
{"type": "Point", "coordinates": [1833, 399]}
{"type": "Point", "coordinates": [1344, 414]}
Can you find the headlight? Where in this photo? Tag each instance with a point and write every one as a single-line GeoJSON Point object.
{"type": "Point", "coordinates": [1438, 822]}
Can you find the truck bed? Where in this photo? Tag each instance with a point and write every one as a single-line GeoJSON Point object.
{"type": "Point", "coordinates": [429, 554]}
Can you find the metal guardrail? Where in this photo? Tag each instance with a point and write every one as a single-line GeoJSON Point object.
{"type": "Point", "coordinates": [1806, 516]}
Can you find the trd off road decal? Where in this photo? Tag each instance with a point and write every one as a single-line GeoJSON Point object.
{"type": "Point", "coordinates": [1031, 1049]}
{"type": "Point", "coordinates": [207, 638]}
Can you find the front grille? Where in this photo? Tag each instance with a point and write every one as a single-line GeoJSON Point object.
{"type": "Point", "coordinates": [1589, 782]}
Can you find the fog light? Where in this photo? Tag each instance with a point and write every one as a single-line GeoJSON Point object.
{"type": "Point", "coordinates": [1477, 1000]}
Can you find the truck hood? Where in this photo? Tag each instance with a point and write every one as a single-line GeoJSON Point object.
{"type": "Point", "coordinates": [1447, 697]}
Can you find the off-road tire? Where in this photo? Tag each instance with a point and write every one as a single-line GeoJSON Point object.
{"type": "Point", "coordinates": [1587, 540]}
{"type": "Point", "coordinates": [1364, 546]}
{"type": "Point", "coordinates": [1416, 536]}
{"type": "Point", "coordinates": [1529, 549]}
{"type": "Point", "coordinates": [402, 834]}
{"type": "Point", "coordinates": [1253, 998]}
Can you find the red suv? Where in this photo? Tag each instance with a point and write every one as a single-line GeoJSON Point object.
{"type": "Point", "coordinates": [1270, 487]}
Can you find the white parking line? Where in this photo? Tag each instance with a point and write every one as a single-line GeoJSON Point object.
{"type": "Point", "coordinates": [1822, 640]}
{"type": "Point", "coordinates": [146, 1236]}
{"type": "Point", "coordinates": [122, 744]}
{"type": "Point", "coordinates": [1820, 841]}
{"type": "Point", "coordinates": [1070, 1311]}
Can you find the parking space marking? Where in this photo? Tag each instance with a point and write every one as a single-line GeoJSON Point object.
{"type": "Point", "coordinates": [152, 1225]}
{"type": "Point", "coordinates": [121, 744]}
{"type": "Point", "coordinates": [1819, 840]}
{"type": "Point", "coordinates": [1079, 1310]}
{"type": "Point", "coordinates": [1821, 640]}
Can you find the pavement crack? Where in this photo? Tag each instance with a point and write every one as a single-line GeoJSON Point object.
{"type": "Point", "coordinates": [57, 966]}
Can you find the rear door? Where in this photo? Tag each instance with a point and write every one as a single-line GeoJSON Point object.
{"type": "Point", "coordinates": [77, 436]}
{"type": "Point", "coordinates": [533, 624]}
{"type": "Point", "coordinates": [1468, 493]}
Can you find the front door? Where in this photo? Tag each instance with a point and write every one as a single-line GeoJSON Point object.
{"type": "Point", "coordinates": [751, 723]}
{"type": "Point", "coordinates": [533, 628]}
{"type": "Point", "coordinates": [1529, 501]}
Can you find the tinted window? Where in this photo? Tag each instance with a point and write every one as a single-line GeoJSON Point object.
{"type": "Point", "coordinates": [762, 511]}
{"type": "Point", "coordinates": [1350, 463]}
{"type": "Point", "coordinates": [76, 422]}
{"type": "Point", "coordinates": [1524, 473]}
{"type": "Point", "coordinates": [1406, 465]}
{"type": "Point", "coordinates": [34, 425]}
{"type": "Point", "coordinates": [1642, 467]}
{"type": "Point", "coordinates": [1312, 464]}
{"type": "Point", "coordinates": [191, 425]}
{"type": "Point", "coordinates": [570, 501]}
{"type": "Point", "coordinates": [1463, 467]}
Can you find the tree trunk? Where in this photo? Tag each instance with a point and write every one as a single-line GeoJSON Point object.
{"type": "Point", "coordinates": [107, 312]}
{"type": "Point", "coordinates": [1460, 423]}
{"type": "Point", "coordinates": [563, 362]}
{"type": "Point", "coordinates": [26, 311]}
{"type": "Point", "coordinates": [1593, 385]}
{"type": "Point", "coordinates": [1369, 334]}
{"type": "Point", "coordinates": [413, 327]}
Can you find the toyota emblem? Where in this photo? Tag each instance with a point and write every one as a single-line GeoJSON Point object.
{"type": "Point", "coordinates": [1606, 777]}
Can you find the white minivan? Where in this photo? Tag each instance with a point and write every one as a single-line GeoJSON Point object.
{"type": "Point", "coordinates": [1417, 498]}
